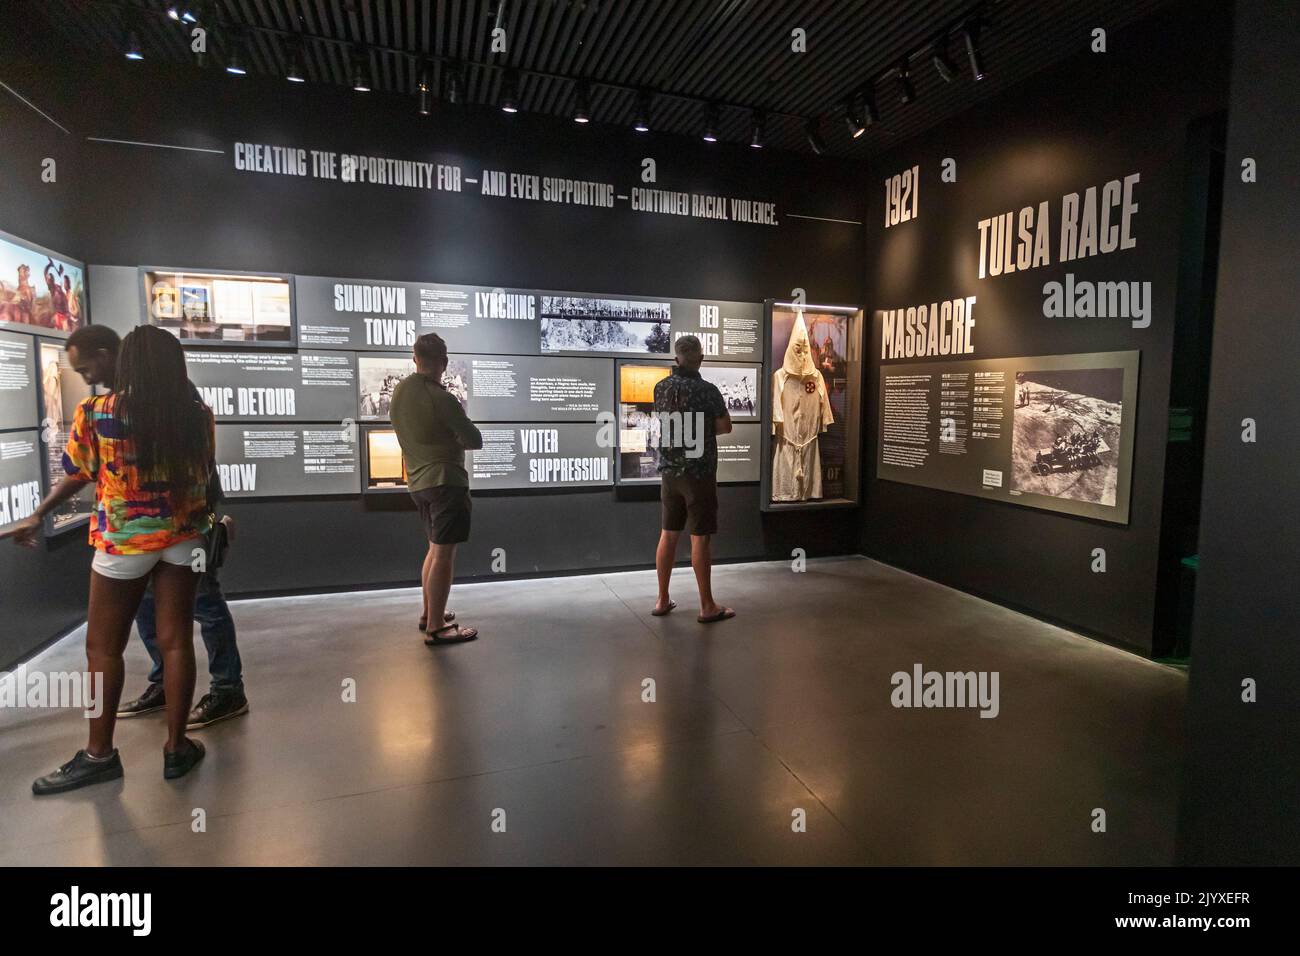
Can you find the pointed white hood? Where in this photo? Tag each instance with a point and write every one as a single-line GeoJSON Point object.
{"type": "Point", "coordinates": [798, 354]}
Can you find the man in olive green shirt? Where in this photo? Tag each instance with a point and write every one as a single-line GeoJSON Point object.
{"type": "Point", "coordinates": [434, 433]}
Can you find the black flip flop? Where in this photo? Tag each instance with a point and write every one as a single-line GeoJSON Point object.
{"type": "Point", "coordinates": [725, 614]}
{"type": "Point", "coordinates": [463, 635]}
{"type": "Point", "coordinates": [671, 605]}
{"type": "Point", "coordinates": [447, 617]}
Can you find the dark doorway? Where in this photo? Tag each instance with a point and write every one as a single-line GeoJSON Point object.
{"type": "Point", "coordinates": [1189, 387]}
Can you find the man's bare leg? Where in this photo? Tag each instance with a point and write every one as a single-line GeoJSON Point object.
{"type": "Point", "coordinates": [424, 585]}
{"type": "Point", "coordinates": [702, 563]}
{"type": "Point", "coordinates": [439, 567]}
{"type": "Point", "coordinates": [665, 556]}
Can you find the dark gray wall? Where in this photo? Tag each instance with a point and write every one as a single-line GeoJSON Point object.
{"type": "Point", "coordinates": [1243, 775]}
{"type": "Point", "coordinates": [42, 591]}
{"type": "Point", "coordinates": [1094, 118]}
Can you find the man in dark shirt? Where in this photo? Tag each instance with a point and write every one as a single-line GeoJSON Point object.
{"type": "Point", "coordinates": [691, 415]}
{"type": "Point", "coordinates": [434, 433]}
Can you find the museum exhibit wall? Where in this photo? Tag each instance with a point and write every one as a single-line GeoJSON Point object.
{"type": "Point", "coordinates": [43, 590]}
{"type": "Point", "coordinates": [195, 209]}
{"type": "Point", "coordinates": [975, 513]}
{"type": "Point", "coordinates": [1238, 800]}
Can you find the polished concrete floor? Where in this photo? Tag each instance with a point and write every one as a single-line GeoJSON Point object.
{"type": "Point", "coordinates": [541, 725]}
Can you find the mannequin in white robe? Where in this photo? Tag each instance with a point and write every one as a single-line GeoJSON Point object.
{"type": "Point", "coordinates": [801, 411]}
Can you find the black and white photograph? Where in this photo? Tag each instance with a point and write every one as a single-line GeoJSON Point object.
{"type": "Point", "coordinates": [457, 378]}
{"type": "Point", "coordinates": [377, 376]}
{"type": "Point", "coordinates": [584, 324]}
{"type": "Point", "coordinates": [1066, 433]}
{"type": "Point", "coordinates": [739, 388]}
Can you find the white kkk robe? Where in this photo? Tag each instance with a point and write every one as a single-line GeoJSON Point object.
{"type": "Point", "coordinates": [801, 411]}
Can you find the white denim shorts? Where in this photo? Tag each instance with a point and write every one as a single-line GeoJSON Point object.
{"type": "Point", "coordinates": [127, 567]}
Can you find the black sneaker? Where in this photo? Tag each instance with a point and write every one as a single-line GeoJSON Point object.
{"type": "Point", "coordinates": [181, 762]}
{"type": "Point", "coordinates": [154, 698]}
{"type": "Point", "coordinates": [81, 771]}
{"type": "Point", "coordinates": [213, 708]}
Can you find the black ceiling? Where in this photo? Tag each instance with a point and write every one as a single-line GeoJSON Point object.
{"type": "Point", "coordinates": [731, 51]}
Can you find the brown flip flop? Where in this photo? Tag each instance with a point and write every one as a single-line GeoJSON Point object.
{"type": "Point", "coordinates": [658, 613]}
{"type": "Point", "coordinates": [448, 617]}
{"type": "Point", "coordinates": [725, 614]}
{"type": "Point", "coordinates": [463, 635]}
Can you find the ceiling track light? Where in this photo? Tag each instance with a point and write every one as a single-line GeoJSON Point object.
{"type": "Point", "coordinates": [906, 91]}
{"type": "Point", "coordinates": [946, 69]}
{"type": "Point", "coordinates": [294, 72]}
{"type": "Point", "coordinates": [853, 118]}
{"type": "Point", "coordinates": [360, 77]}
{"type": "Point", "coordinates": [133, 51]}
{"type": "Point", "coordinates": [235, 64]}
{"type": "Point", "coordinates": [756, 130]}
{"type": "Point", "coordinates": [813, 131]}
{"type": "Point", "coordinates": [710, 123]}
{"type": "Point", "coordinates": [425, 92]}
{"type": "Point", "coordinates": [454, 84]}
{"type": "Point", "coordinates": [970, 35]}
{"type": "Point", "coordinates": [641, 121]}
{"type": "Point", "coordinates": [510, 92]}
{"type": "Point", "coordinates": [582, 103]}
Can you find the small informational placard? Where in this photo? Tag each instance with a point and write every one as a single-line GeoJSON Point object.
{"type": "Point", "coordinates": [561, 455]}
{"type": "Point", "coordinates": [230, 309]}
{"type": "Point", "coordinates": [275, 386]}
{"type": "Point", "coordinates": [740, 454]}
{"type": "Point", "coordinates": [20, 477]}
{"type": "Point", "coordinates": [511, 388]}
{"type": "Point", "coordinates": [41, 291]}
{"type": "Point", "coordinates": [1053, 432]}
{"type": "Point", "coordinates": [268, 460]}
{"type": "Point", "coordinates": [17, 382]}
{"type": "Point", "coordinates": [62, 390]}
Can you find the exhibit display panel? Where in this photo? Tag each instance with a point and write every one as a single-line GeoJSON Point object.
{"type": "Point", "coordinates": [640, 430]}
{"type": "Point", "coordinates": [274, 460]}
{"type": "Point", "coordinates": [247, 385]}
{"type": "Point", "coordinates": [17, 382]}
{"type": "Point", "coordinates": [512, 388]}
{"type": "Point", "coordinates": [20, 477]}
{"type": "Point", "coordinates": [1053, 432]}
{"type": "Point", "coordinates": [205, 306]}
{"type": "Point", "coordinates": [562, 455]}
{"type": "Point", "coordinates": [573, 323]}
{"type": "Point", "coordinates": [373, 315]}
{"type": "Point", "coordinates": [812, 406]}
{"type": "Point", "coordinates": [41, 291]}
{"type": "Point", "coordinates": [383, 467]}
{"type": "Point", "coordinates": [62, 390]}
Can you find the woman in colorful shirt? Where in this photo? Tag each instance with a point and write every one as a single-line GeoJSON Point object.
{"type": "Point", "coordinates": [148, 448]}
